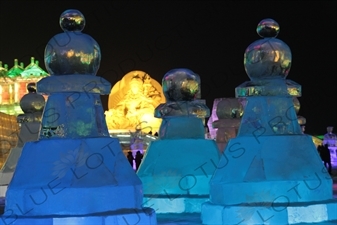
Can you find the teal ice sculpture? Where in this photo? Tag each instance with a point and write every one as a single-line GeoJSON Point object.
{"type": "Point", "coordinates": [176, 169]}
{"type": "Point", "coordinates": [75, 173]}
{"type": "Point", "coordinates": [271, 172]}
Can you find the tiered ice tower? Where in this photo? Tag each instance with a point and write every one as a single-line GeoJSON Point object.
{"type": "Point", "coordinates": [75, 173]}
{"type": "Point", "coordinates": [271, 172]}
{"type": "Point", "coordinates": [177, 168]}
{"type": "Point", "coordinates": [32, 104]}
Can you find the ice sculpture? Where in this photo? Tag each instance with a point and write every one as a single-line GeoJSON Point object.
{"type": "Point", "coordinates": [229, 112]}
{"type": "Point", "coordinates": [271, 172]}
{"type": "Point", "coordinates": [176, 169]}
{"type": "Point", "coordinates": [13, 84]}
{"type": "Point", "coordinates": [132, 102]}
{"type": "Point", "coordinates": [75, 173]}
{"type": "Point", "coordinates": [32, 104]}
{"type": "Point", "coordinates": [33, 70]}
{"type": "Point", "coordinates": [213, 117]}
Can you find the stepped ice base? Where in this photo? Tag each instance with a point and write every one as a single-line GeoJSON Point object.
{"type": "Point", "coordinates": [175, 205]}
{"type": "Point", "coordinates": [269, 213]}
{"type": "Point", "coordinates": [72, 177]}
{"type": "Point", "coordinates": [145, 216]}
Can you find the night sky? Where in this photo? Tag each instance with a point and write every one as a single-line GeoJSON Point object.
{"type": "Point", "coordinates": [208, 37]}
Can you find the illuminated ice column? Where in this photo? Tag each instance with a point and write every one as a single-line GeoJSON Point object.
{"type": "Point", "coordinates": [182, 161]}
{"type": "Point", "coordinates": [32, 105]}
{"type": "Point", "coordinates": [229, 111]}
{"type": "Point", "coordinates": [75, 173]}
{"type": "Point", "coordinates": [271, 172]}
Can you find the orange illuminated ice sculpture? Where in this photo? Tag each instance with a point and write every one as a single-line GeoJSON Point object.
{"type": "Point", "coordinates": [132, 102]}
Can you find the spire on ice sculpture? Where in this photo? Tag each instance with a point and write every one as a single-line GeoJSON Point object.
{"type": "Point", "coordinates": [181, 88]}
{"type": "Point", "coordinates": [72, 58]}
{"type": "Point", "coordinates": [267, 63]}
{"type": "Point", "coordinates": [269, 57]}
{"type": "Point", "coordinates": [181, 85]}
{"type": "Point", "coordinates": [72, 52]}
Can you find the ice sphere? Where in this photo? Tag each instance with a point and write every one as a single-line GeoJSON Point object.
{"type": "Point", "coordinates": [229, 108]}
{"type": "Point", "coordinates": [72, 20]}
{"type": "Point", "coordinates": [72, 52]}
{"type": "Point", "coordinates": [269, 57]}
{"type": "Point", "coordinates": [32, 102]}
{"type": "Point", "coordinates": [181, 88]}
{"type": "Point", "coordinates": [268, 28]}
{"type": "Point", "coordinates": [181, 85]}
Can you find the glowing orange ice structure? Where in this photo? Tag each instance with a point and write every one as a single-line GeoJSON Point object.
{"type": "Point", "coordinates": [132, 102]}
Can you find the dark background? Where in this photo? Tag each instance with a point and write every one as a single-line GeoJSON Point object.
{"type": "Point", "coordinates": [208, 37]}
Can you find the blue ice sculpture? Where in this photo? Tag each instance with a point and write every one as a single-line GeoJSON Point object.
{"type": "Point", "coordinates": [176, 169]}
{"type": "Point", "coordinates": [75, 173]}
{"type": "Point", "coordinates": [271, 172]}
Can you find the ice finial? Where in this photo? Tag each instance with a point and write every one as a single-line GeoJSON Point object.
{"type": "Point", "coordinates": [181, 85]}
{"type": "Point", "coordinates": [72, 20]}
{"type": "Point", "coordinates": [32, 102]}
{"type": "Point", "coordinates": [181, 88]}
{"type": "Point", "coordinates": [270, 57]}
{"type": "Point", "coordinates": [72, 52]}
{"type": "Point", "coordinates": [268, 28]}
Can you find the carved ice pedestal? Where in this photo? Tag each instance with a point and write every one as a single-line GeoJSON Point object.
{"type": "Point", "coordinates": [177, 168]}
{"type": "Point", "coordinates": [271, 172]}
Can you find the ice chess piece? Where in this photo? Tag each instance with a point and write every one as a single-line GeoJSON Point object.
{"type": "Point", "coordinates": [176, 169]}
{"type": "Point", "coordinates": [75, 172]}
{"type": "Point", "coordinates": [32, 104]}
{"type": "Point", "coordinates": [271, 172]}
{"type": "Point", "coordinates": [181, 88]}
